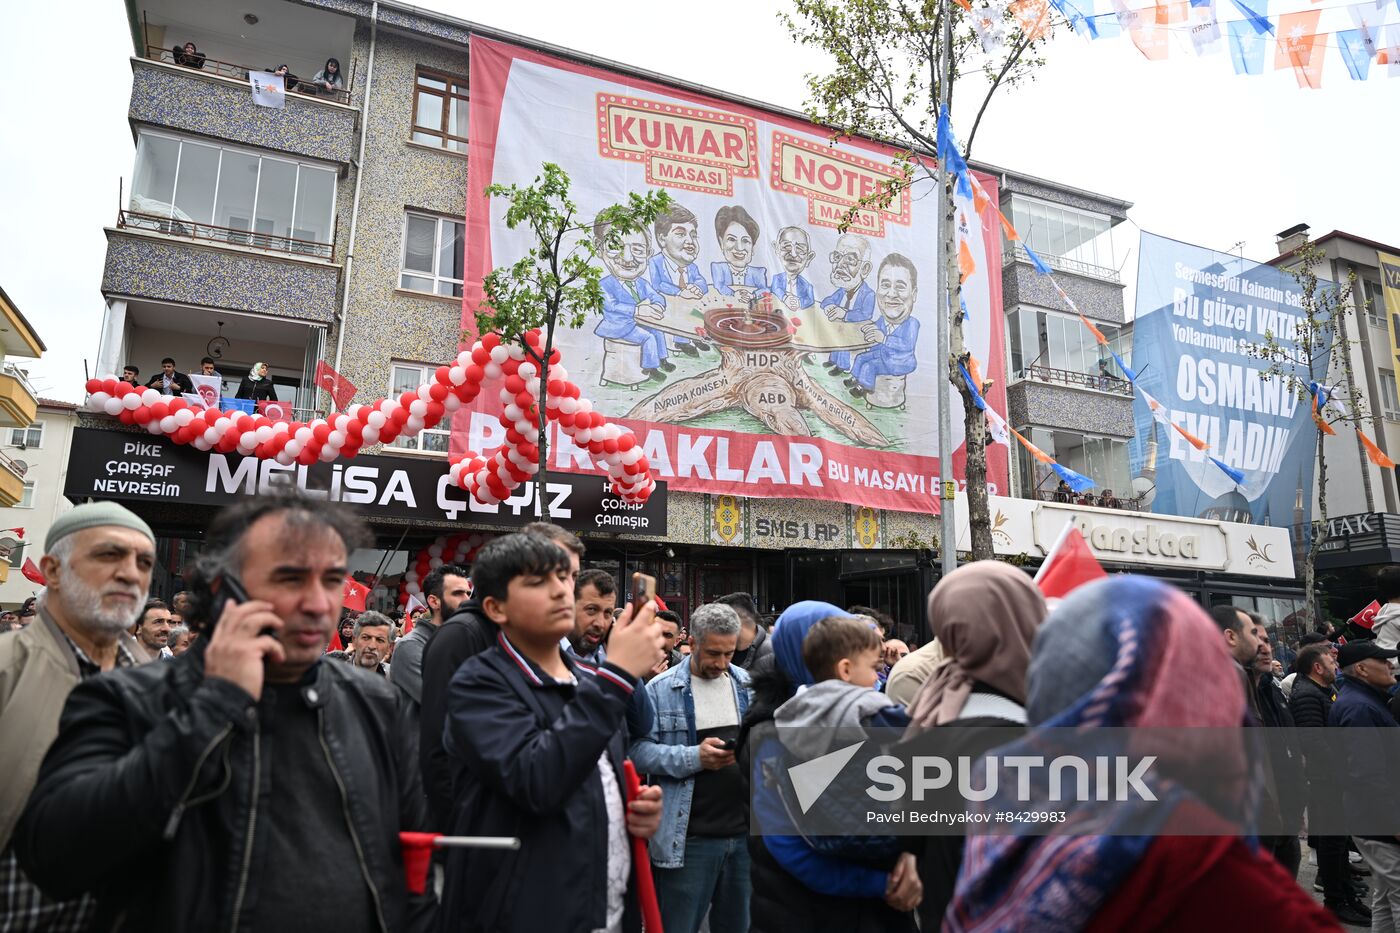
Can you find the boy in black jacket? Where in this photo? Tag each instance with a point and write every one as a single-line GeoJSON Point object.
{"type": "Point", "coordinates": [536, 741]}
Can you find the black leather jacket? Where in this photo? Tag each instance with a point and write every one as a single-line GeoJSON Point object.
{"type": "Point", "coordinates": [157, 766]}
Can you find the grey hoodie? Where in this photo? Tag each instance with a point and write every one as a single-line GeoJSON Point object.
{"type": "Point", "coordinates": [825, 716]}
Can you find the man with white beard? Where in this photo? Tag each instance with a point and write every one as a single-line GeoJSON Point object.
{"type": "Point", "coordinates": [97, 560]}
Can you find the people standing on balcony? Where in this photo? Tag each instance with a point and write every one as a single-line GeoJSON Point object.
{"type": "Point", "coordinates": [188, 56]}
{"type": "Point", "coordinates": [289, 80]}
{"type": "Point", "coordinates": [130, 374]}
{"type": "Point", "coordinates": [328, 80]}
{"type": "Point", "coordinates": [257, 385]}
{"type": "Point", "coordinates": [169, 381]}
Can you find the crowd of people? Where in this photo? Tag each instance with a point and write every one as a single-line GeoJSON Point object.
{"type": "Point", "coordinates": [260, 750]}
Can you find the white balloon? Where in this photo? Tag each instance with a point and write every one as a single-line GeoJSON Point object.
{"type": "Point", "coordinates": [336, 440]}
{"type": "Point", "coordinates": [631, 456]}
{"type": "Point", "coordinates": [558, 372]}
{"type": "Point", "coordinates": [464, 359]}
{"type": "Point", "coordinates": [248, 439]}
{"type": "Point", "coordinates": [435, 563]}
{"type": "Point", "coordinates": [153, 426]}
{"type": "Point", "coordinates": [513, 412]}
{"type": "Point", "coordinates": [183, 417]}
{"type": "Point", "coordinates": [329, 453]}
{"type": "Point", "coordinates": [499, 354]}
{"type": "Point", "coordinates": [201, 444]}
{"type": "Point", "coordinates": [113, 406]}
{"type": "Point", "coordinates": [493, 371]}
{"type": "Point", "coordinates": [370, 436]}
{"type": "Point", "coordinates": [211, 436]}
{"type": "Point", "coordinates": [418, 408]}
{"type": "Point", "coordinates": [584, 405]}
{"type": "Point", "coordinates": [568, 405]}
{"type": "Point", "coordinates": [375, 420]}
{"type": "Point", "coordinates": [284, 458]}
{"type": "Point", "coordinates": [264, 433]}
{"type": "Point", "coordinates": [149, 397]}
{"type": "Point", "coordinates": [97, 401]}
{"type": "Point", "coordinates": [451, 404]}
{"type": "Point", "coordinates": [293, 448]}
{"type": "Point", "coordinates": [457, 375]}
{"type": "Point", "coordinates": [303, 435]}
{"type": "Point", "coordinates": [167, 424]}
{"type": "Point", "coordinates": [131, 401]}
{"type": "Point", "coordinates": [413, 425]}
{"type": "Point", "coordinates": [528, 372]}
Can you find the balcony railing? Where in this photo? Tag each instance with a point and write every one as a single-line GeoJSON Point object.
{"type": "Point", "coordinates": [1101, 382]}
{"type": "Point", "coordinates": [1133, 504]}
{"type": "Point", "coordinates": [10, 369]}
{"type": "Point", "coordinates": [302, 86]}
{"type": "Point", "coordinates": [1015, 252]}
{"type": "Point", "coordinates": [184, 227]}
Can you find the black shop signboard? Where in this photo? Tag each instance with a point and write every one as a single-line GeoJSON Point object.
{"type": "Point", "coordinates": [119, 465]}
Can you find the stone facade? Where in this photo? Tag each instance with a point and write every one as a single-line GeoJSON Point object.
{"type": "Point", "coordinates": [1096, 299]}
{"type": "Point", "coordinates": [193, 102]}
{"type": "Point", "coordinates": [186, 272]}
{"type": "Point", "coordinates": [386, 323]}
{"type": "Point", "coordinates": [1070, 409]}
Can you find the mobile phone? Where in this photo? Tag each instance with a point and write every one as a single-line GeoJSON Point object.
{"type": "Point", "coordinates": [729, 744]}
{"type": "Point", "coordinates": [230, 590]}
{"type": "Point", "coordinates": [643, 589]}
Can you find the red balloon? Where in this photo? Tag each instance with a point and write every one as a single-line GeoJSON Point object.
{"type": "Point", "coordinates": [160, 410]}
{"type": "Point", "coordinates": [555, 388]}
{"type": "Point", "coordinates": [554, 357]}
{"type": "Point", "coordinates": [125, 416]}
{"type": "Point", "coordinates": [354, 430]}
{"type": "Point", "coordinates": [574, 391]}
{"type": "Point", "coordinates": [626, 442]}
{"type": "Point", "coordinates": [565, 419]}
{"type": "Point", "coordinates": [481, 356]}
{"type": "Point", "coordinates": [228, 443]}
{"type": "Point", "coordinates": [530, 452]}
{"type": "Point", "coordinates": [320, 433]}
{"type": "Point", "coordinates": [407, 399]}
{"type": "Point", "coordinates": [595, 447]}
{"type": "Point", "coordinates": [514, 384]}
{"type": "Point", "coordinates": [443, 374]}
{"type": "Point", "coordinates": [93, 385]}
{"type": "Point", "coordinates": [439, 392]}
{"type": "Point", "coordinates": [513, 437]}
{"type": "Point", "coordinates": [349, 450]}
{"type": "Point", "coordinates": [435, 412]}
{"type": "Point", "coordinates": [141, 415]}
{"type": "Point", "coordinates": [597, 419]}
{"type": "Point", "coordinates": [490, 341]}
{"type": "Point", "coordinates": [525, 400]}
{"type": "Point", "coordinates": [475, 374]}
{"type": "Point", "coordinates": [308, 456]}
{"type": "Point", "coordinates": [610, 446]}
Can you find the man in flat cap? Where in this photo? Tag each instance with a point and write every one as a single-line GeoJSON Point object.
{"type": "Point", "coordinates": [97, 560]}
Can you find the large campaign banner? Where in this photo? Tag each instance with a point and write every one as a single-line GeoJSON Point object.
{"type": "Point", "coordinates": [754, 347]}
{"type": "Point", "coordinates": [1201, 315]}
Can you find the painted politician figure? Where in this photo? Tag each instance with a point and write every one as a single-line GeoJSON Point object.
{"type": "Point", "coordinates": [629, 298]}
{"type": "Point", "coordinates": [853, 299]}
{"type": "Point", "coordinates": [737, 233]}
{"type": "Point", "coordinates": [895, 332]}
{"type": "Point", "coordinates": [673, 271]}
{"type": "Point", "coordinates": [794, 250]}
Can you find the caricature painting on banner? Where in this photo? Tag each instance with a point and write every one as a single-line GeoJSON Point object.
{"type": "Point", "coordinates": [753, 347]}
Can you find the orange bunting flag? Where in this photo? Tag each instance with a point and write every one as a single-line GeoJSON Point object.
{"type": "Point", "coordinates": [1298, 47]}
{"type": "Point", "coordinates": [1033, 16]}
{"type": "Point", "coordinates": [1172, 12]}
{"type": "Point", "coordinates": [975, 372]}
{"type": "Point", "coordinates": [966, 264]}
{"type": "Point", "coordinates": [1191, 439]}
{"type": "Point", "coordinates": [1007, 228]}
{"type": "Point", "coordinates": [966, 5]}
{"type": "Point", "coordinates": [1034, 451]}
{"type": "Point", "coordinates": [1322, 425]}
{"type": "Point", "coordinates": [1375, 454]}
{"type": "Point", "coordinates": [1098, 334]}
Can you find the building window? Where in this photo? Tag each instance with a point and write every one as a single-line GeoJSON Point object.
{"type": "Point", "coordinates": [1375, 304]}
{"type": "Point", "coordinates": [432, 254]}
{"type": "Point", "coordinates": [31, 437]}
{"type": "Point", "coordinates": [1390, 401]}
{"type": "Point", "coordinates": [1056, 341]}
{"type": "Point", "coordinates": [1102, 459]}
{"type": "Point", "coordinates": [212, 192]}
{"type": "Point", "coordinates": [440, 111]}
{"type": "Point", "coordinates": [1064, 232]}
{"type": "Point", "coordinates": [407, 377]}
{"type": "Point", "coordinates": [26, 499]}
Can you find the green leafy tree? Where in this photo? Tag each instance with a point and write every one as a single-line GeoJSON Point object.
{"type": "Point", "coordinates": [557, 281]}
{"type": "Point", "coordinates": [1318, 351]}
{"type": "Point", "coordinates": [886, 80]}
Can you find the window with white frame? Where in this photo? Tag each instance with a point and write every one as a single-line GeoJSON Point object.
{"type": "Point", "coordinates": [26, 499]}
{"type": "Point", "coordinates": [407, 377]}
{"type": "Point", "coordinates": [1390, 400]}
{"type": "Point", "coordinates": [432, 254]}
{"type": "Point", "coordinates": [1375, 304]}
{"type": "Point", "coordinates": [31, 437]}
{"type": "Point", "coordinates": [196, 188]}
{"type": "Point", "coordinates": [1064, 232]}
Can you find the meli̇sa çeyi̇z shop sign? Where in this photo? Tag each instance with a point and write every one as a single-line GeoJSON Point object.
{"type": "Point", "coordinates": [119, 465]}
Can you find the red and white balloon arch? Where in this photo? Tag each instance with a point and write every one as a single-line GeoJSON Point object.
{"type": "Point", "coordinates": [489, 479]}
{"type": "Point", "coordinates": [448, 549]}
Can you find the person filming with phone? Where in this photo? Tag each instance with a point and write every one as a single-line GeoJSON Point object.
{"type": "Point", "coordinates": [700, 854]}
{"type": "Point", "coordinates": [265, 787]}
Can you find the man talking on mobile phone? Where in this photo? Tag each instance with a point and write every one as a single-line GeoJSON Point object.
{"type": "Point", "coordinates": [266, 787]}
{"type": "Point", "coordinates": [700, 853]}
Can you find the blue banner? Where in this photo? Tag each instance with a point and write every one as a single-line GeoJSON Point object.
{"type": "Point", "coordinates": [1199, 315]}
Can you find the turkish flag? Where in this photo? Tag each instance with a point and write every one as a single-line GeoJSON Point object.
{"type": "Point", "coordinates": [31, 572]}
{"type": "Point", "coordinates": [355, 595]}
{"type": "Point", "coordinates": [1366, 617]}
{"type": "Point", "coordinates": [1069, 565]}
{"type": "Point", "coordinates": [19, 532]}
{"type": "Point", "coordinates": [414, 604]}
{"type": "Point", "coordinates": [341, 390]}
{"type": "Point", "coordinates": [275, 410]}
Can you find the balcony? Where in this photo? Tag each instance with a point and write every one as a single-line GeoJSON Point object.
{"type": "Point", "coordinates": [1053, 404]}
{"type": "Point", "coordinates": [1014, 252]}
{"type": "Point", "coordinates": [213, 105]}
{"type": "Point", "coordinates": [142, 333]}
{"type": "Point", "coordinates": [301, 86]}
{"type": "Point", "coordinates": [186, 227]}
{"type": "Point", "coordinates": [1100, 383]}
{"type": "Point", "coordinates": [19, 403]}
{"type": "Point", "coordinates": [11, 481]}
{"type": "Point", "coordinates": [1102, 501]}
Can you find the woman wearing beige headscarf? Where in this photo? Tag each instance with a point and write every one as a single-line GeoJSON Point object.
{"type": "Point", "coordinates": [984, 616]}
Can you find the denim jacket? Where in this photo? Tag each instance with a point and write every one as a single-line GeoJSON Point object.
{"type": "Point", "coordinates": [670, 754]}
